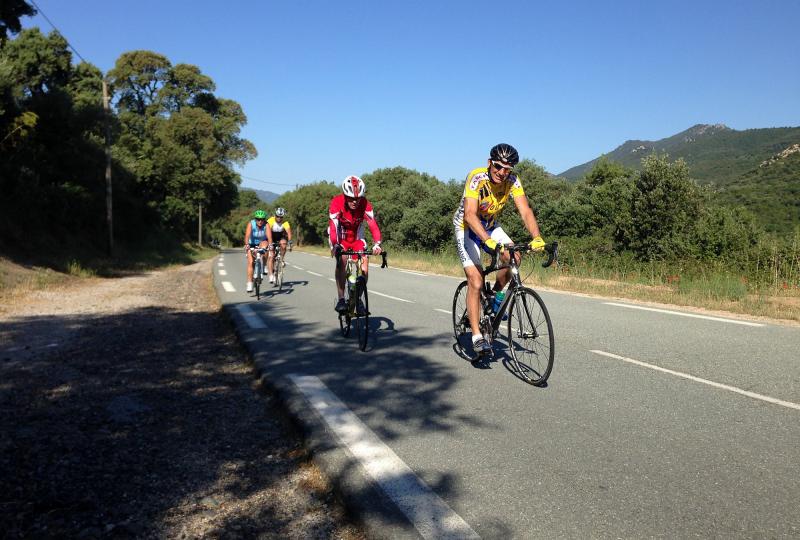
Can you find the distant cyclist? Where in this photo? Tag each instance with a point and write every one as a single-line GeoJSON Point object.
{"type": "Point", "coordinates": [486, 191]}
{"type": "Point", "coordinates": [257, 234]}
{"type": "Point", "coordinates": [348, 213]}
{"type": "Point", "coordinates": [282, 234]}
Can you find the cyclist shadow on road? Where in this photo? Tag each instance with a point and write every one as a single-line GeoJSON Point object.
{"type": "Point", "coordinates": [288, 288]}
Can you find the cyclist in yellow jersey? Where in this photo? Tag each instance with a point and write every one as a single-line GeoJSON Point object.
{"type": "Point", "coordinates": [280, 232]}
{"type": "Point", "coordinates": [486, 192]}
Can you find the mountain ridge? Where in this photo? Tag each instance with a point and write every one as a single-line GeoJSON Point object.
{"type": "Point", "coordinates": [715, 153]}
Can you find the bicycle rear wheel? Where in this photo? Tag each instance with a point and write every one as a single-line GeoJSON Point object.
{"type": "Point", "coordinates": [257, 278]}
{"type": "Point", "coordinates": [530, 336]}
{"type": "Point", "coordinates": [362, 310]}
{"type": "Point", "coordinates": [460, 319]}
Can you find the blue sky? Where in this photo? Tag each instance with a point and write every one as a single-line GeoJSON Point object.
{"type": "Point", "coordinates": [333, 88]}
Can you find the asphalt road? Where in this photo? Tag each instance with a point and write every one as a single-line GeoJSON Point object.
{"type": "Point", "coordinates": [653, 424]}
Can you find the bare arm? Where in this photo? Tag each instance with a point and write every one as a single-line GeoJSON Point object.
{"type": "Point", "coordinates": [472, 220]}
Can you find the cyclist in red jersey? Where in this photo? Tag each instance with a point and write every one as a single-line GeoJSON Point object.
{"type": "Point", "coordinates": [348, 214]}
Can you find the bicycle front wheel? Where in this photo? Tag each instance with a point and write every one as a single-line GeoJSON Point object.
{"type": "Point", "coordinates": [279, 273]}
{"type": "Point", "coordinates": [362, 310]}
{"type": "Point", "coordinates": [530, 336]}
{"type": "Point", "coordinates": [460, 319]}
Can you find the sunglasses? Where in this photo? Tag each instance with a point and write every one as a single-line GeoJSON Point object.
{"type": "Point", "coordinates": [261, 219]}
{"type": "Point", "coordinates": [498, 166]}
{"type": "Point", "coordinates": [350, 199]}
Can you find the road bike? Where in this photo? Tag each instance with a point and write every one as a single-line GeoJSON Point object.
{"type": "Point", "coordinates": [258, 268]}
{"type": "Point", "coordinates": [278, 264]}
{"type": "Point", "coordinates": [530, 331]}
{"type": "Point", "coordinates": [355, 294]}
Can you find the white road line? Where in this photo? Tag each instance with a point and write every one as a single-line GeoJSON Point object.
{"type": "Point", "coordinates": [251, 317]}
{"type": "Point", "coordinates": [298, 267]}
{"type": "Point", "coordinates": [228, 286]}
{"type": "Point", "coordinates": [668, 312]}
{"type": "Point", "coordinates": [220, 263]}
{"type": "Point", "coordinates": [370, 291]}
{"type": "Point", "coordinates": [443, 311]}
{"type": "Point", "coordinates": [223, 272]}
{"type": "Point", "coordinates": [331, 279]}
{"type": "Point", "coordinates": [427, 512]}
{"type": "Point", "coordinates": [747, 393]}
{"type": "Point", "coordinates": [414, 273]}
{"type": "Point", "coordinates": [314, 273]}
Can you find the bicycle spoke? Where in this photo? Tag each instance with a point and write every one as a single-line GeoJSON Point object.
{"type": "Point", "coordinates": [530, 337]}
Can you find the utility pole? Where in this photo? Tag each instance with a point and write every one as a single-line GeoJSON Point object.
{"type": "Point", "coordinates": [109, 216]}
{"type": "Point", "coordinates": [200, 224]}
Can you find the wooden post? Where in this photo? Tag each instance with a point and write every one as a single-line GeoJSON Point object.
{"type": "Point", "coordinates": [200, 225]}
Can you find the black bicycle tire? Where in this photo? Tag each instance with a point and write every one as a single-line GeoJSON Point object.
{"type": "Point", "coordinates": [256, 279]}
{"type": "Point", "coordinates": [362, 321]}
{"type": "Point", "coordinates": [279, 273]}
{"type": "Point", "coordinates": [459, 313]}
{"type": "Point", "coordinates": [523, 366]}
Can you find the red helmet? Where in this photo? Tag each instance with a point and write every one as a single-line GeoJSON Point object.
{"type": "Point", "coordinates": [353, 186]}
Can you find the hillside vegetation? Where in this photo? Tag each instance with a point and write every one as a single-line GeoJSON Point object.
{"type": "Point", "coordinates": [756, 168]}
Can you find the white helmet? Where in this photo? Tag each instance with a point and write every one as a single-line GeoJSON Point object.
{"type": "Point", "coordinates": [353, 186]}
{"type": "Point", "coordinates": [280, 212]}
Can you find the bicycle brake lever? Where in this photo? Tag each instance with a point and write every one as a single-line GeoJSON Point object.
{"type": "Point", "coordinates": [383, 256]}
{"type": "Point", "coordinates": [552, 254]}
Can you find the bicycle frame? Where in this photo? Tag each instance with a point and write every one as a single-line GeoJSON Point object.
{"type": "Point", "coordinates": [515, 283]}
{"type": "Point", "coordinates": [348, 271]}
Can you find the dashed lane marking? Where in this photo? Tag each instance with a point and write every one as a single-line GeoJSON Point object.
{"type": "Point", "coordinates": [429, 514]}
{"type": "Point", "coordinates": [443, 311]}
{"type": "Point", "coordinates": [228, 286]}
{"type": "Point", "coordinates": [223, 272]}
{"type": "Point", "coordinates": [729, 388]}
{"type": "Point", "coordinates": [314, 273]}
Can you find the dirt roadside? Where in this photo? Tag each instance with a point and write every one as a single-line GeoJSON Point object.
{"type": "Point", "coordinates": [129, 410]}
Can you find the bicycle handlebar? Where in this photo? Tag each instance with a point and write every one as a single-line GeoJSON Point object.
{"type": "Point", "coordinates": [551, 249]}
{"type": "Point", "coordinates": [362, 252]}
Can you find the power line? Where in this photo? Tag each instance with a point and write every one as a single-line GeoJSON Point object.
{"type": "Point", "coordinates": [265, 181]}
{"type": "Point", "coordinates": [57, 30]}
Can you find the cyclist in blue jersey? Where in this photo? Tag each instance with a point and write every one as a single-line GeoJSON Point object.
{"type": "Point", "coordinates": [257, 234]}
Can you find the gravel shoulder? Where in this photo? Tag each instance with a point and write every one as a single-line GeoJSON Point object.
{"type": "Point", "coordinates": [128, 409]}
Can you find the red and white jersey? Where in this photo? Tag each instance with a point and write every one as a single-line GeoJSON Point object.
{"type": "Point", "coordinates": [347, 226]}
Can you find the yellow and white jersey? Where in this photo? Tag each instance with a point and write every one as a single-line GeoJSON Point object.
{"type": "Point", "coordinates": [491, 197]}
{"type": "Point", "coordinates": [278, 227]}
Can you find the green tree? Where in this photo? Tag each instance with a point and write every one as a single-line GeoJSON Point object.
{"type": "Point", "coordinates": [51, 155]}
{"type": "Point", "coordinates": [178, 139]}
{"type": "Point", "coordinates": [11, 11]}
{"type": "Point", "coordinates": [665, 205]}
{"type": "Point", "coordinates": [307, 209]}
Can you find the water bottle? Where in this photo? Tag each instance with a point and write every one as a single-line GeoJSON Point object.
{"type": "Point", "coordinates": [351, 283]}
{"type": "Point", "coordinates": [498, 299]}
